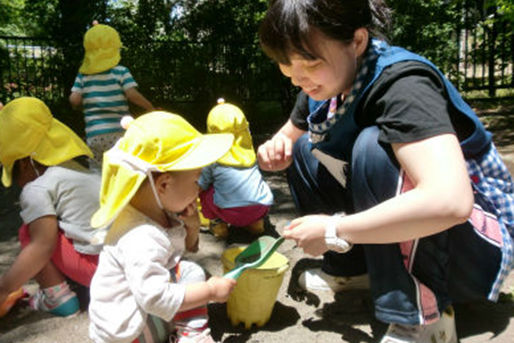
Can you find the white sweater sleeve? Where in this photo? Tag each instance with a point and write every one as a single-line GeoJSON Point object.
{"type": "Point", "coordinates": [146, 254]}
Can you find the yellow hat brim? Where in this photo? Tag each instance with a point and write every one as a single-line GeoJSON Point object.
{"type": "Point", "coordinates": [208, 149]}
{"type": "Point", "coordinates": [120, 183]}
{"type": "Point", "coordinates": [241, 154]}
{"type": "Point", "coordinates": [7, 175]}
{"type": "Point", "coordinates": [228, 118]}
{"type": "Point", "coordinates": [99, 61]}
{"type": "Point", "coordinates": [58, 144]}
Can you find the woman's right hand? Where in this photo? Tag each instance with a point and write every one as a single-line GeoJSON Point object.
{"type": "Point", "coordinates": [220, 288]}
{"type": "Point", "coordinates": [276, 153]}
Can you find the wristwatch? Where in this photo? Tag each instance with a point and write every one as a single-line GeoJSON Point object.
{"type": "Point", "coordinates": [333, 242]}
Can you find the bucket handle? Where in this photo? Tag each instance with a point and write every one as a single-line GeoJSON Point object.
{"type": "Point", "coordinates": [283, 268]}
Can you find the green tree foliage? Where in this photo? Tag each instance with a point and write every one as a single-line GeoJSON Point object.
{"type": "Point", "coordinates": [11, 21]}
{"type": "Point", "coordinates": [189, 51]}
{"type": "Point", "coordinates": [506, 7]}
{"type": "Point", "coordinates": [427, 27]}
{"type": "Point", "coordinates": [220, 20]}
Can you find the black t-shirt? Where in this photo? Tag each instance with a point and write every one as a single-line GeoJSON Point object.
{"type": "Point", "coordinates": [407, 102]}
{"type": "Point", "coordinates": [300, 111]}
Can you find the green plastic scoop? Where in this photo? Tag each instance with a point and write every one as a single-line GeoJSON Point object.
{"type": "Point", "coordinates": [254, 255]}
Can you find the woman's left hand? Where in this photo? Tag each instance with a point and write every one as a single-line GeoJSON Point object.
{"type": "Point", "coordinates": [309, 233]}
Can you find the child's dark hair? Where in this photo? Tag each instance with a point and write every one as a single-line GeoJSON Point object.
{"type": "Point", "coordinates": [288, 24]}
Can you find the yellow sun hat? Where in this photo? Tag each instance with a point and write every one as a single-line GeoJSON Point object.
{"type": "Point", "coordinates": [228, 118]}
{"type": "Point", "coordinates": [102, 46]}
{"type": "Point", "coordinates": [28, 129]}
{"type": "Point", "coordinates": [154, 142]}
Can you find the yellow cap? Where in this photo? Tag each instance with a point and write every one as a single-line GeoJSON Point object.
{"type": "Point", "coordinates": [227, 118]}
{"type": "Point", "coordinates": [157, 141]}
{"type": "Point", "coordinates": [28, 129]}
{"type": "Point", "coordinates": [102, 45]}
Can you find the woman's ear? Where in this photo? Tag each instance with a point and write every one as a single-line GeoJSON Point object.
{"type": "Point", "coordinates": [360, 41]}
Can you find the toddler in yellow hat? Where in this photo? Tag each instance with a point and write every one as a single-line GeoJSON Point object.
{"type": "Point", "coordinates": [142, 286]}
{"type": "Point", "coordinates": [102, 89]}
{"type": "Point", "coordinates": [57, 200]}
{"type": "Point", "coordinates": [233, 189]}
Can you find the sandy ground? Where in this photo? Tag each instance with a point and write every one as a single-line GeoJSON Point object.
{"type": "Point", "coordinates": [296, 317]}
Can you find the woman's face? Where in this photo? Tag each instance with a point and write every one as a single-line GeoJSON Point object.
{"type": "Point", "coordinates": [331, 74]}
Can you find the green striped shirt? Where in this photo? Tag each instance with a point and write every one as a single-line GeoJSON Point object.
{"type": "Point", "coordinates": [103, 99]}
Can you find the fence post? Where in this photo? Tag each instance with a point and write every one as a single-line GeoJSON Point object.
{"type": "Point", "coordinates": [492, 34]}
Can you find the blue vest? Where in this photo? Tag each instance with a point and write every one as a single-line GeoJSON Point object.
{"type": "Point", "coordinates": [340, 138]}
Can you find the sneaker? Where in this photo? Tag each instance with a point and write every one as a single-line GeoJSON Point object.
{"type": "Point", "coordinates": [59, 300]}
{"type": "Point", "coordinates": [256, 228]}
{"type": "Point", "coordinates": [317, 280]}
{"type": "Point", "coordinates": [192, 337]}
{"type": "Point", "coordinates": [218, 228]}
{"type": "Point", "coordinates": [442, 331]}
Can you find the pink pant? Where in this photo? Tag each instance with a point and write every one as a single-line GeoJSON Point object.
{"type": "Point", "coordinates": [236, 216]}
{"type": "Point", "coordinates": [78, 267]}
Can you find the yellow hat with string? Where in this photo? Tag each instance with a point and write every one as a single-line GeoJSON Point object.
{"type": "Point", "coordinates": [227, 118]}
{"type": "Point", "coordinates": [154, 142]}
{"type": "Point", "coordinates": [28, 129]}
{"type": "Point", "coordinates": [102, 46]}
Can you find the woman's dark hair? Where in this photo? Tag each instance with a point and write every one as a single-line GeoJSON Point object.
{"type": "Point", "coordinates": [288, 24]}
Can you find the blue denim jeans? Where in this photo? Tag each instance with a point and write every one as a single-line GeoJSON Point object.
{"type": "Point", "coordinates": [411, 282]}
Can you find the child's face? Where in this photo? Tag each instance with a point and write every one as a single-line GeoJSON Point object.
{"type": "Point", "coordinates": [24, 172]}
{"type": "Point", "coordinates": [331, 74]}
{"type": "Point", "coordinates": [181, 190]}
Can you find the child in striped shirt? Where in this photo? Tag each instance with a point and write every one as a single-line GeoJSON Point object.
{"type": "Point", "coordinates": [103, 88]}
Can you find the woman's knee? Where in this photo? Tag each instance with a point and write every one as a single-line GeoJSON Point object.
{"type": "Point", "coordinates": [302, 149]}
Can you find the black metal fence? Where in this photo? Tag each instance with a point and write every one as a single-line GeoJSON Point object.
{"type": "Point", "coordinates": [30, 66]}
{"type": "Point", "coordinates": [184, 76]}
{"type": "Point", "coordinates": [486, 49]}
{"type": "Point", "coordinates": [179, 74]}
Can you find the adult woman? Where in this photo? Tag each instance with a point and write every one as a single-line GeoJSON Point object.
{"type": "Point", "coordinates": [419, 178]}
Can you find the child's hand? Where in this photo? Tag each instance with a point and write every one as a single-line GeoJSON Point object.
{"type": "Point", "coordinates": [190, 211]}
{"type": "Point", "coordinates": [220, 288]}
{"type": "Point", "coordinates": [192, 222]}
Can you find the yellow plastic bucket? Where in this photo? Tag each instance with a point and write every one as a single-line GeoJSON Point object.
{"type": "Point", "coordinates": [253, 298]}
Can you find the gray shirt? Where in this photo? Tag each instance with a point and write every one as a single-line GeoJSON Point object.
{"type": "Point", "coordinates": [70, 192]}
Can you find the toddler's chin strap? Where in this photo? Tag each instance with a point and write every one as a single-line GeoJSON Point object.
{"type": "Point", "coordinates": [154, 190]}
{"type": "Point", "coordinates": [34, 166]}
{"type": "Point", "coordinates": [171, 216]}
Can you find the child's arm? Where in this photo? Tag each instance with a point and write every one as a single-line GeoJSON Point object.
{"type": "Point", "coordinates": [76, 100]}
{"type": "Point", "coordinates": [138, 99]}
{"type": "Point", "coordinates": [33, 258]}
{"type": "Point", "coordinates": [215, 289]}
{"type": "Point", "coordinates": [146, 252]}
